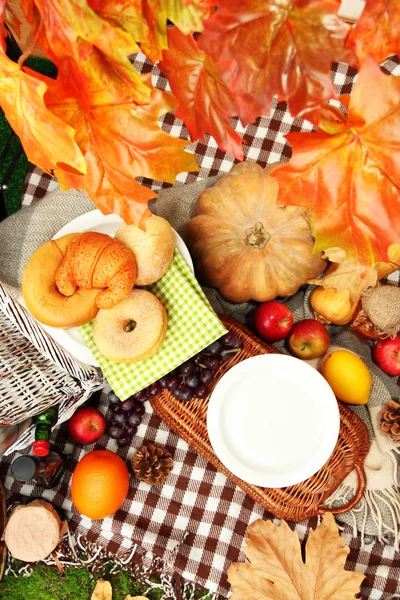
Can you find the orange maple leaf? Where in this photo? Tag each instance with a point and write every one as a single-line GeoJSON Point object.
{"type": "Point", "coordinates": [281, 47]}
{"type": "Point", "coordinates": [146, 20]}
{"type": "Point", "coordinates": [120, 140]}
{"type": "Point", "coordinates": [126, 14]}
{"type": "Point", "coordinates": [188, 16]}
{"type": "Point", "coordinates": [348, 173]}
{"type": "Point", "coordinates": [205, 102]}
{"type": "Point", "coordinates": [70, 28]}
{"type": "Point", "coordinates": [8, 16]}
{"type": "Point", "coordinates": [377, 31]}
{"type": "Point", "coordinates": [48, 141]}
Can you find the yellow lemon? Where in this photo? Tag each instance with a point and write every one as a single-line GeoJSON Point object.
{"type": "Point", "coordinates": [348, 376]}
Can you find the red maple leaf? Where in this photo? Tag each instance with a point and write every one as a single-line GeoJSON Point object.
{"type": "Point", "coordinates": [348, 173]}
{"type": "Point", "coordinates": [377, 31]}
{"type": "Point", "coordinates": [283, 47]}
{"type": "Point", "coordinates": [205, 102]}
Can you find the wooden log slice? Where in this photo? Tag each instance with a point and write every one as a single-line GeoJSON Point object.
{"type": "Point", "coordinates": [33, 531]}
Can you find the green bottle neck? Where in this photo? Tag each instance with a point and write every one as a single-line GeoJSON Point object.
{"type": "Point", "coordinates": [49, 417]}
{"type": "Point", "coordinates": [42, 432]}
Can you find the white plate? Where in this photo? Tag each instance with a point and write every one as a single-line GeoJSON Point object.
{"type": "Point", "coordinates": [273, 420]}
{"type": "Point", "coordinates": [71, 339]}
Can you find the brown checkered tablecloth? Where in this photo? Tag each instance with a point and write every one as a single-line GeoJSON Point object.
{"type": "Point", "coordinates": [197, 520]}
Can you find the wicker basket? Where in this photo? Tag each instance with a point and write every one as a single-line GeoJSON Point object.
{"type": "Point", "coordinates": [294, 503]}
{"type": "Point", "coordinates": [35, 372]}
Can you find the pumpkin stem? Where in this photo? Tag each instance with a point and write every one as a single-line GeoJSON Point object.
{"type": "Point", "coordinates": [257, 237]}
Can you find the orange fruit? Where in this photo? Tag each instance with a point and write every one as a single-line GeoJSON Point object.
{"type": "Point", "coordinates": [100, 484]}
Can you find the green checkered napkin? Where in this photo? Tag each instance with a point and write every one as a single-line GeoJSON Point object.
{"type": "Point", "coordinates": [192, 325]}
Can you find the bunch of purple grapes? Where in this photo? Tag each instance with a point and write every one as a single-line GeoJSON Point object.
{"type": "Point", "coordinates": [126, 415]}
{"type": "Point", "coordinates": [194, 377]}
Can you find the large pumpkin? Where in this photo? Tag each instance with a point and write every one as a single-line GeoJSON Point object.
{"type": "Point", "coordinates": [245, 245]}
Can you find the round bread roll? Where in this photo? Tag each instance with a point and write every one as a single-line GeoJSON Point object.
{"type": "Point", "coordinates": [133, 329]}
{"type": "Point", "coordinates": [153, 248]}
{"type": "Point", "coordinates": [41, 296]}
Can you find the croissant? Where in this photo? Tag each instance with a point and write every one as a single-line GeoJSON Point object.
{"type": "Point", "coordinates": [96, 260]}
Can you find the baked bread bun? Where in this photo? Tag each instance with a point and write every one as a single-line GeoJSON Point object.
{"type": "Point", "coordinates": [96, 260]}
{"type": "Point", "coordinates": [41, 296]}
{"type": "Point", "coordinates": [132, 330]}
{"type": "Point", "coordinates": [153, 248]}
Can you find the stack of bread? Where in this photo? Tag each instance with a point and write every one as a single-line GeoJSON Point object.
{"type": "Point", "coordinates": [83, 276]}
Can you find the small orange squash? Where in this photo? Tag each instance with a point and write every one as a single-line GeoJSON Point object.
{"type": "Point", "coordinates": [245, 245]}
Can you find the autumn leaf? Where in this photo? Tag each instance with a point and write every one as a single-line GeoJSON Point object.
{"type": "Point", "coordinates": [3, 30]}
{"type": "Point", "coordinates": [346, 275]}
{"type": "Point", "coordinates": [283, 47]}
{"type": "Point", "coordinates": [126, 14]}
{"type": "Point", "coordinates": [146, 20]}
{"type": "Point", "coordinates": [187, 15]}
{"type": "Point", "coordinates": [205, 103]}
{"type": "Point", "coordinates": [348, 173]}
{"type": "Point", "coordinates": [70, 28]}
{"type": "Point", "coordinates": [120, 140]}
{"type": "Point", "coordinates": [47, 141]}
{"type": "Point", "coordinates": [102, 591]}
{"type": "Point", "coordinates": [381, 41]}
{"type": "Point", "coordinates": [8, 16]}
{"type": "Point", "coordinates": [276, 570]}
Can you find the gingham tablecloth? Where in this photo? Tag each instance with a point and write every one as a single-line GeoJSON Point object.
{"type": "Point", "coordinates": [197, 520]}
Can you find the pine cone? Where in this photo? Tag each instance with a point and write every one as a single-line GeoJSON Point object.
{"type": "Point", "coordinates": [152, 463]}
{"type": "Point", "coordinates": [390, 420]}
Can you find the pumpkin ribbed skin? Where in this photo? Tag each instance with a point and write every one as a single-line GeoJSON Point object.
{"type": "Point", "coordinates": [245, 245]}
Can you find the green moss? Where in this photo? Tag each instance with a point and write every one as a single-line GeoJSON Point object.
{"type": "Point", "coordinates": [47, 584]}
{"type": "Point", "coordinates": [42, 65]}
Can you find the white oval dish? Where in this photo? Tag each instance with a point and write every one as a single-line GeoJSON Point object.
{"type": "Point", "coordinates": [273, 420]}
{"type": "Point", "coordinates": [70, 338]}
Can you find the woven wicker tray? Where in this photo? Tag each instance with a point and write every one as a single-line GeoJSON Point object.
{"type": "Point", "coordinates": [294, 503]}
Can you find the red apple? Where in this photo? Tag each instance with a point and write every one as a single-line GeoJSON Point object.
{"type": "Point", "coordinates": [386, 354]}
{"type": "Point", "coordinates": [309, 339]}
{"type": "Point", "coordinates": [273, 321]}
{"type": "Point", "coordinates": [86, 425]}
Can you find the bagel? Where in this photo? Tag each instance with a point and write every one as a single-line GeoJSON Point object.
{"type": "Point", "coordinates": [41, 296]}
{"type": "Point", "coordinates": [153, 248]}
{"type": "Point", "coordinates": [132, 330]}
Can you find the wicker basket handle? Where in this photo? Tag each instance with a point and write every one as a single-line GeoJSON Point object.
{"type": "Point", "coordinates": [357, 497]}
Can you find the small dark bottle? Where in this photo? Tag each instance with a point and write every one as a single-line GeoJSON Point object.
{"type": "Point", "coordinates": [46, 471]}
{"type": "Point", "coordinates": [44, 422]}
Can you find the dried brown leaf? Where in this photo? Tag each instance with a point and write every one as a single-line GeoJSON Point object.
{"type": "Point", "coordinates": [276, 569]}
{"type": "Point", "coordinates": [102, 591]}
{"type": "Point", "coordinates": [348, 275]}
